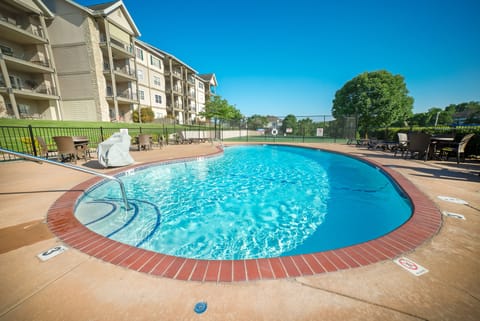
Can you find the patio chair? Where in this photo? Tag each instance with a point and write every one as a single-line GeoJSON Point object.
{"type": "Point", "coordinates": [181, 139]}
{"type": "Point", "coordinates": [418, 146]}
{"type": "Point", "coordinates": [161, 141]}
{"type": "Point", "coordinates": [44, 148]}
{"type": "Point", "coordinates": [144, 141]}
{"type": "Point", "coordinates": [402, 145]}
{"type": "Point", "coordinates": [457, 149]}
{"type": "Point", "coordinates": [81, 143]}
{"type": "Point", "coordinates": [67, 150]}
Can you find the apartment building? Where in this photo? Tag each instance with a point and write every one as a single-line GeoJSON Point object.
{"type": "Point", "coordinates": [28, 82]}
{"type": "Point", "coordinates": [173, 89]}
{"type": "Point", "coordinates": [151, 79]}
{"type": "Point", "coordinates": [94, 51]}
{"type": "Point", "coordinates": [64, 61]}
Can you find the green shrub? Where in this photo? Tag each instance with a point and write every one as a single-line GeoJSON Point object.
{"type": "Point", "coordinates": [147, 115]}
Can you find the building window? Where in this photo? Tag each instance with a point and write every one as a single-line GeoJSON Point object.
{"type": "Point", "coordinates": [200, 85]}
{"type": "Point", "coordinates": [141, 94]}
{"type": "Point", "coordinates": [158, 99]}
{"type": "Point", "coordinates": [139, 53]}
{"type": "Point", "coordinates": [155, 62]}
{"type": "Point", "coordinates": [156, 81]}
{"type": "Point", "coordinates": [140, 74]}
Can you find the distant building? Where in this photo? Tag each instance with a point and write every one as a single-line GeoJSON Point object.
{"type": "Point", "coordinates": [71, 62]}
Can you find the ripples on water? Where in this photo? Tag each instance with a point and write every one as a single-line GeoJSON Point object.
{"type": "Point", "coordinates": [252, 202]}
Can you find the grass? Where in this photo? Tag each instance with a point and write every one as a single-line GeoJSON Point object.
{"type": "Point", "coordinates": [77, 124]}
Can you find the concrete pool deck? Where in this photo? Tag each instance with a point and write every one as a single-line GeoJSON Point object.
{"type": "Point", "coordinates": [75, 286]}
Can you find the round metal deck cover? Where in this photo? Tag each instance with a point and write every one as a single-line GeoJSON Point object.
{"type": "Point", "coordinates": [200, 307]}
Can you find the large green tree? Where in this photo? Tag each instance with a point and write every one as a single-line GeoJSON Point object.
{"type": "Point", "coordinates": [218, 108]}
{"type": "Point", "coordinates": [290, 121]}
{"type": "Point", "coordinates": [375, 99]}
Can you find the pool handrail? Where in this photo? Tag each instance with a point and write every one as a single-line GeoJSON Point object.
{"type": "Point", "coordinates": [74, 167]}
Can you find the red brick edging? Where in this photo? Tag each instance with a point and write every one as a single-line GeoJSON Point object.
{"type": "Point", "coordinates": [424, 223]}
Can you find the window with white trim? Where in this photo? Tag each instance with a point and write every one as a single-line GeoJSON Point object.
{"type": "Point", "coordinates": [157, 81]}
{"type": "Point", "coordinates": [140, 53]}
{"type": "Point", "coordinates": [141, 94]}
{"type": "Point", "coordinates": [155, 62]}
{"type": "Point", "coordinates": [158, 99]}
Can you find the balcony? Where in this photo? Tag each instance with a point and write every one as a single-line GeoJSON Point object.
{"type": "Point", "coordinates": [120, 50]}
{"type": "Point", "coordinates": [122, 74]}
{"type": "Point", "coordinates": [176, 73]}
{"type": "Point", "coordinates": [13, 31]}
{"type": "Point", "coordinates": [29, 90]}
{"type": "Point", "coordinates": [17, 62]}
{"type": "Point", "coordinates": [123, 97]}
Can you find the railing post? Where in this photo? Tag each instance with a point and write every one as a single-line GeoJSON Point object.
{"type": "Point", "coordinates": [101, 133]}
{"type": "Point", "coordinates": [32, 140]}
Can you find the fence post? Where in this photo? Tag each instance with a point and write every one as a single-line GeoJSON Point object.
{"type": "Point", "coordinates": [101, 133]}
{"type": "Point", "coordinates": [32, 140]}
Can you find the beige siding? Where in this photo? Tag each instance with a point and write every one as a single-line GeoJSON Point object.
{"type": "Point", "coordinates": [79, 110]}
{"type": "Point", "coordinates": [119, 18]}
{"type": "Point", "coordinates": [67, 29]}
{"type": "Point", "coordinates": [77, 86]}
{"type": "Point", "coordinates": [71, 59]}
{"type": "Point", "coordinates": [119, 34]}
{"type": "Point", "coordinates": [30, 4]}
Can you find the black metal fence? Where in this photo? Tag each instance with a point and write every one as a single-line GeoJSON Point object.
{"type": "Point", "coordinates": [321, 129]}
{"type": "Point", "coordinates": [310, 129]}
{"type": "Point", "coordinates": [23, 139]}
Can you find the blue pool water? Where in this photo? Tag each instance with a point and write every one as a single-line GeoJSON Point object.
{"type": "Point", "coordinates": [250, 202]}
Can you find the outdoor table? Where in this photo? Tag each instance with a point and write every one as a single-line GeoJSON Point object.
{"type": "Point", "coordinates": [436, 142]}
{"type": "Point", "coordinates": [81, 145]}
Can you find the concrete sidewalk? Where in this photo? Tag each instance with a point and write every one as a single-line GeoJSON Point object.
{"type": "Point", "coordinates": [74, 286]}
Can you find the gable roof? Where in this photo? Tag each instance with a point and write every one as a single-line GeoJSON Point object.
{"type": "Point", "coordinates": [106, 8]}
{"type": "Point", "coordinates": [210, 78]}
{"type": "Point", "coordinates": [166, 54]}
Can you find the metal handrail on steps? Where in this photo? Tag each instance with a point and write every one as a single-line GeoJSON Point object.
{"type": "Point", "coordinates": [77, 168]}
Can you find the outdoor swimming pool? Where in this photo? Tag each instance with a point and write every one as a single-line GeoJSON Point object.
{"type": "Point", "coordinates": [251, 202]}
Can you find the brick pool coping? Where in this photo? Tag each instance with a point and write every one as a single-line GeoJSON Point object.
{"type": "Point", "coordinates": [422, 225]}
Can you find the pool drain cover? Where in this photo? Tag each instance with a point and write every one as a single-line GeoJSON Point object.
{"type": "Point", "coordinates": [200, 307]}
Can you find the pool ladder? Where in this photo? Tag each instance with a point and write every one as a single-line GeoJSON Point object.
{"type": "Point", "coordinates": [77, 168]}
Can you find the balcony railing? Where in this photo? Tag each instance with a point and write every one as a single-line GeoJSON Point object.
{"type": "Point", "coordinates": [176, 73]}
{"type": "Point", "coordinates": [119, 45]}
{"type": "Point", "coordinates": [33, 29]}
{"type": "Point", "coordinates": [42, 89]}
{"type": "Point", "coordinates": [128, 95]}
{"type": "Point", "coordinates": [9, 52]}
{"type": "Point", "coordinates": [126, 70]}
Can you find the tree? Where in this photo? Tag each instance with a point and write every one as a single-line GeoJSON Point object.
{"type": "Point", "coordinates": [220, 110]}
{"type": "Point", "coordinates": [306, 127]}
{"type": "Point", "coordinates": [257, 121]}
{"type": "Point", "coordinates": [375, 99]}
{"type": "Point", "coordinates": [290, 121]}
{"type": "Point", "coordinates": [147, 115]}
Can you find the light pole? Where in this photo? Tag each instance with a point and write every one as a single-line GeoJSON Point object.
{"type": "Point", "coordinates": [436, 118]}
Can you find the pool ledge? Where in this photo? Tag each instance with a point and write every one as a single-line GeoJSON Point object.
{"type": "Point", "coordinates": [424, 223]}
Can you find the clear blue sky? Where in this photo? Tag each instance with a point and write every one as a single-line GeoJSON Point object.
{"type": "Point", "coordinates": [279, 57]}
